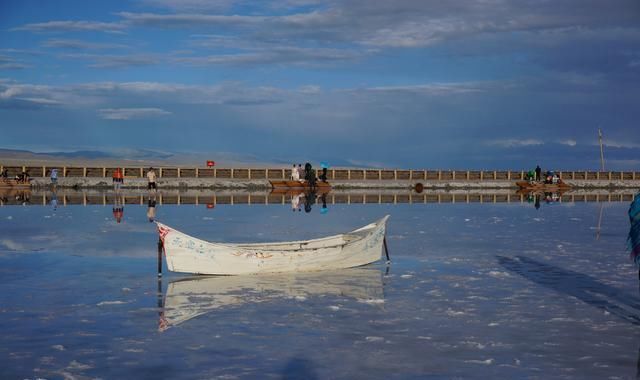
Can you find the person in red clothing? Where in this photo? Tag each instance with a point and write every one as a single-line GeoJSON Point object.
{"type": "Point", "coordinates": [118, 179]}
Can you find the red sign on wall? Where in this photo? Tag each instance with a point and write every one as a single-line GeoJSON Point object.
{"type": "Point", "coordinates": [211, 163]}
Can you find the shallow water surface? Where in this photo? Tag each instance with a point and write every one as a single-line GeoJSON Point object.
{"type": "Point", "coordinates": [493, 290]}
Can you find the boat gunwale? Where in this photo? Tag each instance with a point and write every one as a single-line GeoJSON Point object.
{"type": "Point", "coordinates": [360, 233]}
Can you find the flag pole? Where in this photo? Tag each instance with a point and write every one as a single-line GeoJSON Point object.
{"type": "Point", "coordinates": [601, 150]}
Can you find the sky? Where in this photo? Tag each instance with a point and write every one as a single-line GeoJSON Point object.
{"type": "Point", "coordinates": [476, 84]}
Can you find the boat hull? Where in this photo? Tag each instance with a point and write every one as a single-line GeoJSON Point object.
{"type": "Point", "coordinates": [544, 187]}
{"type": "Point", "coordinates": [187, 254]}
{"type": "Point", "coordinates": [302, 185]}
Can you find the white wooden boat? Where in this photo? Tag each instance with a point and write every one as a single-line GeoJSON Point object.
{"type": "Point", "coordinates": [187, 254]}
{"type": "Point", "coordinates": [189, 298]}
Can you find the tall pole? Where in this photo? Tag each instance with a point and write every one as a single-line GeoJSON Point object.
{"type": "Point", "coordinates": [601, 150]}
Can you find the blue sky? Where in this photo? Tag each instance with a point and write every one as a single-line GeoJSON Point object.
{"type": "Point", "coordinates": [413, 83]}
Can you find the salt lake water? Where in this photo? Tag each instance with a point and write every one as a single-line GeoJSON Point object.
{"type": "Point", "coordinates": [477, 290]}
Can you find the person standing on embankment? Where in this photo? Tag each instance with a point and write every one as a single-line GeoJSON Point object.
{"type": "Point", "coordinates": [151, 177]}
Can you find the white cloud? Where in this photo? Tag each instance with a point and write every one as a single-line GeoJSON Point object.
{"type": "Point", "coordinates": [230, 93]}
{"type": "Point", "coordinates": [80, 45]}
{"type": "Point", "coordinates": [620, 144]}
{"type": "Point", "coordinates": [42, 95]}
{"type": "Point", "coordinates": [12, 245]}
{"type": "Point", "coordinates": [73, 26]}
{"type": "Point", "coordinates": [275, 55]}
{"type": "Point", "coordinates": [191, 5]}
{"type": "Point", "coordinates": [131, 113]}
{"type": "Point", "coordinates": [310, 90]}
{"type": "Point", "coordinates": [113, 61]}
{"type": "Point", "coordinates": [433, 88]}
{"type": "Point", "coordinates": [10, 63]}
{"type": "Point", "coordinates": [189, 20]}
{"type": "Point", "coordinates": [569, 142]}
{"type": "Point", "coordinates": [13, 66]}
{"type": "Point", "coordinates": [514, 143]}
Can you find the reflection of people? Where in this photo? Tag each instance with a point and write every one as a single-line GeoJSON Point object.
{"type": "Point", "coordinates": [309, 200]}
{"type": "Point", "coordinates": [23, 198]}
{"type": "Point", "coordinates": [324, 208]}
{"type": "Point", "coordinates": [118, 208]}
{"type": "Point", "coordinates": [54, 200]}
{"type": "Point", "coordinates": [547, 197]}
{"type": "Point", "coordinates": [295, 202]}
{"type": "Point", "coordinates": [537, 204]}
{"type": "Point", "coordinates": [151, 210]}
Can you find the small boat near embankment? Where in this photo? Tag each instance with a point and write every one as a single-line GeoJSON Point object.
{"type": "Point", "coordinates": [14, 184]}
{"type": "Point", "coordinates": [291, 192]}
{"type": "Point", "coordinates": [302, 185]}
{"type": "Point", "coordinates": [188, 254]}
{"type": "Point", "coordinates": [544, 187]}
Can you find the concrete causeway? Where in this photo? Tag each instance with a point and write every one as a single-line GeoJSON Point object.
{"type": "Point", "coordinates": [340, 178]}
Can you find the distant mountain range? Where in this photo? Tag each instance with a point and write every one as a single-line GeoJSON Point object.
{"type": "Point", "coordinates": [146, 157]}
{"type": "Point", "coordinates": [138, 157]}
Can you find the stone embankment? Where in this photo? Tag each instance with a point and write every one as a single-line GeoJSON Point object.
{"type": "Point", "coordinates": [257, 179]}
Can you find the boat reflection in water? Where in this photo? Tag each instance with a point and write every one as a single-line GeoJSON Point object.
{"type": "Point", "coordinates": [535, 197]}
{"type": "Point", "coordinates": [191, 297]}
{"type": "Point", "coordinates": [305, 198]}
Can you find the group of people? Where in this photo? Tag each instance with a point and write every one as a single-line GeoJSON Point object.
{"type": "Point", "coordinates": [20, 177]}
{"type": "Point", "coordinates": [308, 173]}
{"type": "Point", "coordinates": [118, 205]}
{"type": "Point", "coordinates": [118, 179]}
{"type": "Point", "coordinates": [550, 177]}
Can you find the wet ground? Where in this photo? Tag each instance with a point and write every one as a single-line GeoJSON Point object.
{"type": "Point", "coordinates": [474, 290]}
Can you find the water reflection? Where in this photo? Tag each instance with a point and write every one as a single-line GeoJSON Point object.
{"type": "Point", "coordinates": [448, 298]}
{"type": "Point", "coordinates": [578, 285]}
{"type": "Point", "coordinates": [194, 296]}
{"type": "Point", "coordinates": [118, 207]}
{"type": "Point", "coordinates": [15, 196]}
{"type": "Point", "coordinates": [633, 240]}
{"type": "Point", "coordinates": [54, 199]}
{"type": "Point", "coordinates": [535, 197]}
{"type": "Point", "coordinates": [211, 198]}
{"type": "Point", "coordinates": [581, 286]}
{"type": "Point", "coordinates": [151, 208]}
{"type": "Point", "coordinates": [300, 199]}
{"type": "Point", "coordinates": [299, 368]}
